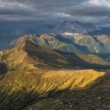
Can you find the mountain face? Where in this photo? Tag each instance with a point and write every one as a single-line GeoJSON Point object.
{"type": "Point", "coordinates": [34, 77]}
{"type": "Point", "coordinates": [72, 43]}
{"type": "Point", "coordinates": [73, 27]}
{"type": "Point", "coordinates": [61, 59]}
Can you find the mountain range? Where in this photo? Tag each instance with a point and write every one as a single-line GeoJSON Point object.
{"type": "Point", "coordinates": [70, 43]}
{"type": "Point", "coordinates": [34, 77]}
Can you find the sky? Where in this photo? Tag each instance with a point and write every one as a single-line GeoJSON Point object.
{"type": "Point", "coordinates": [54, 10]}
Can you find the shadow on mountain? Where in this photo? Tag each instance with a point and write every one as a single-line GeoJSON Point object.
{"type": "Point", "coordinates": [57, 59]}
{"type": "Point", "coordinates": [3, 68]}
{"type": "Point", "coordinates": [64, 39]}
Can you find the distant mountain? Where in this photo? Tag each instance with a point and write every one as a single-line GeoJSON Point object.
{"type": "Point", "coordinates": [72, 43]}
{"type": "Point", "coordinates": [74, 27]}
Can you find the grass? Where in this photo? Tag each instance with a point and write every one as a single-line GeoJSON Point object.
{"type": "Point", "coordinates": [93, 59]}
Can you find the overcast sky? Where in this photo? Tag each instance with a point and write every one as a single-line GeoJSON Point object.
{"type": "Point", "coordinates": [53, 10]}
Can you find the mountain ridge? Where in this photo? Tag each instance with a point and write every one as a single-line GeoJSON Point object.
{"type": "Point", "coordinates": [75, 43]}
{"type": "Point", "coordinates": [34, 74]}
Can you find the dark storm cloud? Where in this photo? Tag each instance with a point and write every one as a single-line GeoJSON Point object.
{"type": "Point", "coordinates": [85, 10]}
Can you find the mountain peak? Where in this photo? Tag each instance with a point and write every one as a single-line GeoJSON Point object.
{"type": "Point", "coordinates": [30, 45]}
{"type": "Point", "coordinates": [22, 39]}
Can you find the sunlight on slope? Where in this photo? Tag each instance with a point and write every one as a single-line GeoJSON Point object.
{"type": "Point", "coordinates": [73, 79]}
{"type": "Point", "coordinates": [41, 81]}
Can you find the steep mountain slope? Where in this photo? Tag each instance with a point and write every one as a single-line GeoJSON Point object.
{"type": "Point", "coordinates": [40, 76]}
{"type": "Point", "coordinates": [73, 27]}
{"type": "Point", "coordinates": [48, 41]}
{"type": "Point", "coordinates": [65, 59]}
{"type": "Point", "coordinates": [72, 43]}
{"type": "Point", "coordinates": [62, 59]}
{"type": "Point", "coordinates": [45, 57]}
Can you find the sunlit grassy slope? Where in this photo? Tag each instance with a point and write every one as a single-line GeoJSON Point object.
{"type": "Point", "coordinates": [33, 72]}
{"type": "Point", "coordinates": [51, 80]}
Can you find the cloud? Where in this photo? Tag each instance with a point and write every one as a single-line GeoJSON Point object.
{"type": "Point", "coordinates": [44, 10]}
{"type": "Point", "coordinates": [100, 3]}
{"type": "Point", "coordinates": [91, 10]}
{"type": "Point", "coordinates": [62, 15]}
